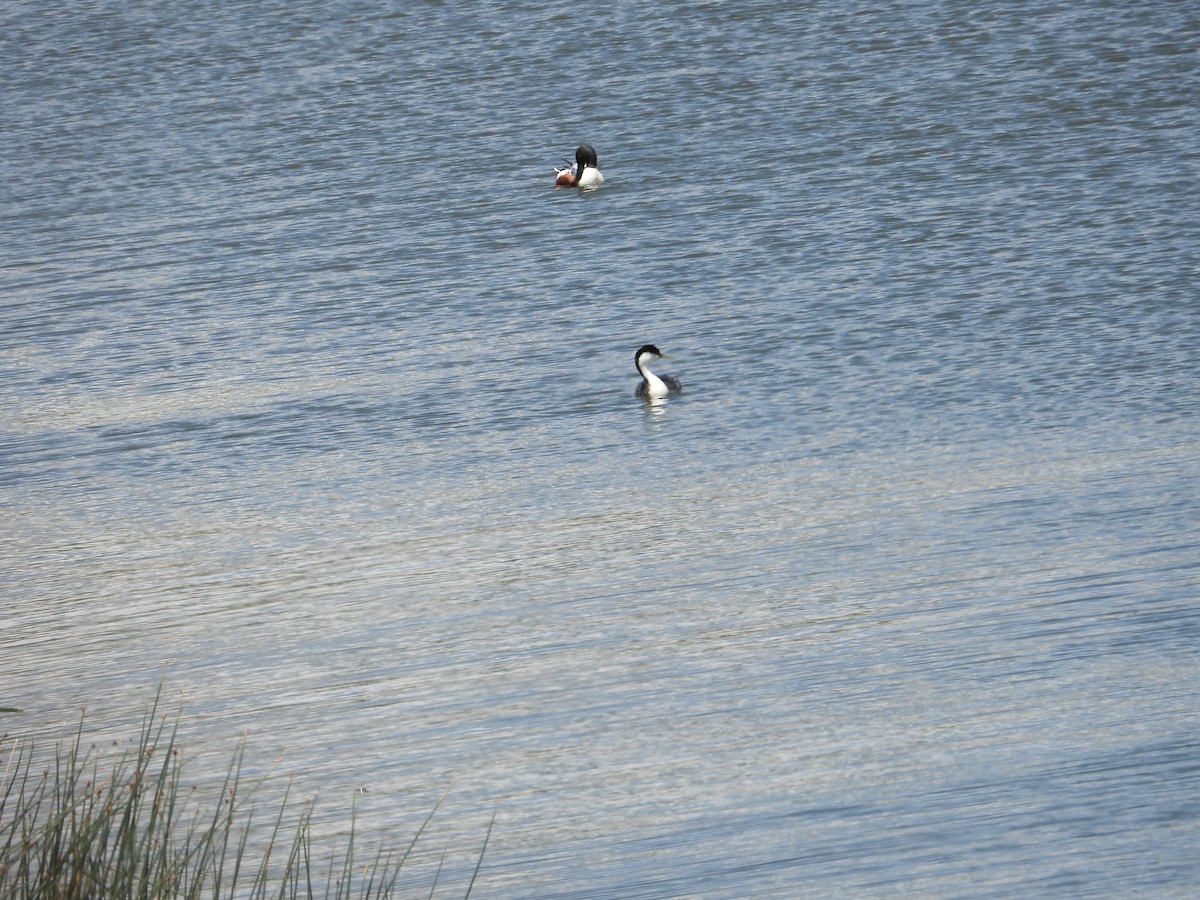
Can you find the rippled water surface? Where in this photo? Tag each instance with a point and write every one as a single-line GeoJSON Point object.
{"type": "Point", "coordinates": [316, 393]}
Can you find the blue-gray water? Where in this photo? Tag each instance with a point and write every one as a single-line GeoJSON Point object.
{"type": "Point", "coordinates": [315, 391]}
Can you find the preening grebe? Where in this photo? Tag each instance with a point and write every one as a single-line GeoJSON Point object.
{"type": "Point", "coordinates": [584, 174]}
{"type": "Point", "coordinates": [653, 387]}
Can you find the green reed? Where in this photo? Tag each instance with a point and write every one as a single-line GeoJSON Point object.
{"type": "Point", "coordinates": [92, 825]}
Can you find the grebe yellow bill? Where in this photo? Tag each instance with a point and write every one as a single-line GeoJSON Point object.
{"type": "Point", "coordinates": [585, 174]}
{"type": "Point", "coordinates": [653, 387]}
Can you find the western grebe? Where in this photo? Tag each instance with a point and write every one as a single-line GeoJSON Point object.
{"type": "Point", "coordinates": [584, 174]}
{"type": "Point", "coordinates": [653, 387]}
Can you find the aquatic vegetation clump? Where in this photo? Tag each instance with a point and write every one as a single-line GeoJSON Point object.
{"type": "Point", "coordinates": [89, 824]}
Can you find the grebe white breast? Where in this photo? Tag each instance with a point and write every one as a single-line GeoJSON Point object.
{"type": "Point", "coordinates": [653, 387]}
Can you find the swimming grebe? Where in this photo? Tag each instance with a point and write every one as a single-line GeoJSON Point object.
{"type": "Point", "coordinates": [584, 174]}
{"type": "Point", "coordinates": [653, 387]}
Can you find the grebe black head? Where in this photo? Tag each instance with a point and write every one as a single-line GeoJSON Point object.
{"type": "Point", "coordinates": [647, 349]}
{"type": "Point", "coordinates": [653, 386]}
{"type": "Point", "coordinates": [585, 155]}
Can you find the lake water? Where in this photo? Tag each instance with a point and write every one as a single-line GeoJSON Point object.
{"type": "Point", "coordinates": [318, 398]}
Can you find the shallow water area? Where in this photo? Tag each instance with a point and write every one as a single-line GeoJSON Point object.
{"type": "Point", "coordinates": [317, 403]}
